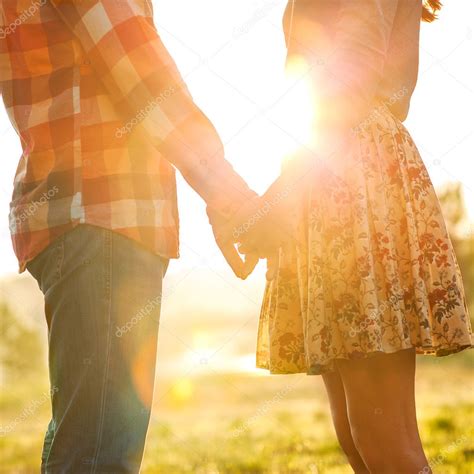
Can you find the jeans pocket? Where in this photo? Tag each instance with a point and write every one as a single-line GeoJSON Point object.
{"type": "Point", "coordinates": [46, 267]}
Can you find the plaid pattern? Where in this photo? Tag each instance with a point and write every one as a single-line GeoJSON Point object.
{"type": "Point", "coordinates": [103, 115]}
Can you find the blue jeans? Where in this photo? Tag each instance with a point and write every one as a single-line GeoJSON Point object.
{"type": "Point", "coordinates": [102, 303]}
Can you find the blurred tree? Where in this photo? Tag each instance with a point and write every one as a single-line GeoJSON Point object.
{"type": "Point", "coordinates": [20, 347]}
{"type": "Point", "coordinates": [451, 197]}
{"type": "Point", "coordinates": [461, 232]}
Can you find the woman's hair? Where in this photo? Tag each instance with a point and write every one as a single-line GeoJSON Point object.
{"type": "Point", "coordinates": [430, 10]}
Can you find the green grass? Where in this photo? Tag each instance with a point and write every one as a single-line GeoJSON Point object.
{"type": "Point", "coordinates": [237, 424]}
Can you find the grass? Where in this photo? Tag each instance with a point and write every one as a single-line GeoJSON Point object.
{"type": "Point", "coordinates": [235, 424]}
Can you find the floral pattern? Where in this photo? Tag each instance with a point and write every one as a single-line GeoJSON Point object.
{"type": "Point", "coordinates": [373, 269]}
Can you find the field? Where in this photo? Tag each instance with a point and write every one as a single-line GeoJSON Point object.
{"type": "Point", "coordinates": [246, 423]}
{"type": "Point", "coordinates": [222, 417]}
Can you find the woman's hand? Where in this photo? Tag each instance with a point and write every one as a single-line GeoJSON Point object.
{"type": "Point", "coordinates": [252, 258]}
{"type": "Point", "coordinates": [259, 229]}
{"type": "Point", "coordinates": [265, 233]}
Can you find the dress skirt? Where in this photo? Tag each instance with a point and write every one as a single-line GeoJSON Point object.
{"type": "Point", "coordinates": [372, 269]}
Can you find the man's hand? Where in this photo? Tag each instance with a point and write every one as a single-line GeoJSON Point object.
{"type": "Point", "coordinates": [273, 258]}
{"type": "Point", "coordinates": [241, 268]}
{"type": "Point", "coordinates": [266, 233]}
{"type": "Point", "coordinates": [260, 227]}
{"type": "Point", "coordinates": [227, 234]}
{"type": "Point", "coordinates": [263, 243]}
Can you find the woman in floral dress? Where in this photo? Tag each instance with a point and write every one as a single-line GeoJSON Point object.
{"type": "Point", "coordinates": [371, 278]}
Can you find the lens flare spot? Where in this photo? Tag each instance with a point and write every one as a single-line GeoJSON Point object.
{"type": "Point", "coordinates": [182, 391]}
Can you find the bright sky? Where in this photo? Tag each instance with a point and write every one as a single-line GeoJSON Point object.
{"type": "Point", "coordinates": [232, 56]}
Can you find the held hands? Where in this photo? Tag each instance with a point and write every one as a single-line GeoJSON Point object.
{"type": "Point", "coordinates": [263, 225]}
{"type": "Point", "coordinates": [226, 234]}
{"type": "Point", "coordinates": [269, 231]}
{"type": "Point", "coordinates": [258, 228]}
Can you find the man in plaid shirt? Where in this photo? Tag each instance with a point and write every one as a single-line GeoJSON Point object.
{"type": "Point", "coordinates": [104, 117]}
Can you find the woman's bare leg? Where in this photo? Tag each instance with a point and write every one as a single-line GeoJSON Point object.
{"type": "Point", "coordinates": [337, 401]}
{"type": "Point", "coordinates": [380, 398]}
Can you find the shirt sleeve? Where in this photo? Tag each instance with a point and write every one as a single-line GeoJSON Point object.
{"type": "Point", "coordinates": [128, 56]}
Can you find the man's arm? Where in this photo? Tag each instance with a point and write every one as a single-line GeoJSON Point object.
{"type": "Point", "coordinates": [130, 59]}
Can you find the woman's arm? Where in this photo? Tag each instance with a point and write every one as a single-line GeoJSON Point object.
{"type": "Point", "coordinates": [347, 84]}
{"type": "Point", "coordinates": [345, 87]}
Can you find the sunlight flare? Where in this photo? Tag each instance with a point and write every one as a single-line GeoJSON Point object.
{"type": "Point", "coordinates": [295, 111]}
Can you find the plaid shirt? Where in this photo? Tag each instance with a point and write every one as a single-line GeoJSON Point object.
{"type": "Point", "coordinates": [103, 115]}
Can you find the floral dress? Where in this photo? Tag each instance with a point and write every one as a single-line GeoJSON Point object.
{"type": "Point", "coordinates": [373, 269]}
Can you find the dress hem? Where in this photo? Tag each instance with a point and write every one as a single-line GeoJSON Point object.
{"type": "Point", "coordinates": [440, 351]}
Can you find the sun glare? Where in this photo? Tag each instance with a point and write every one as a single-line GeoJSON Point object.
{"type": "Point", "coordinates": [295, 111]}
{"type": "Point", "coordinates": [202, 351]}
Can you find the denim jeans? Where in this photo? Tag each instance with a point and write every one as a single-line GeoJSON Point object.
{"type": "Point", "coordinates": [102, 302]}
